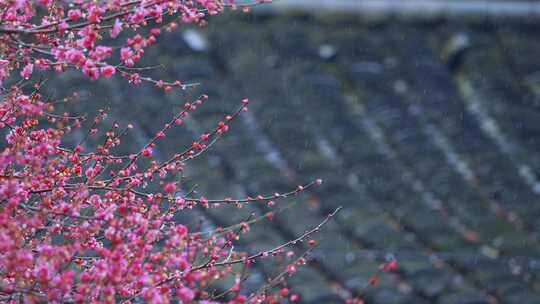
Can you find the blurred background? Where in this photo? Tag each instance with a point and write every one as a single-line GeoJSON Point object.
{"type": "Point", "coordinates": [421, 116]}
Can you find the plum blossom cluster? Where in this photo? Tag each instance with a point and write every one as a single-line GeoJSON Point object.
{"type": "Point", "coordinates": [96, 227]}
{"type": "Point", "coordinates": [87, 35]}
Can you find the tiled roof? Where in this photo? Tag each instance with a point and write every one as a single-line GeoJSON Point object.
{"type": "Point", "coordinates": [427, 133]}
